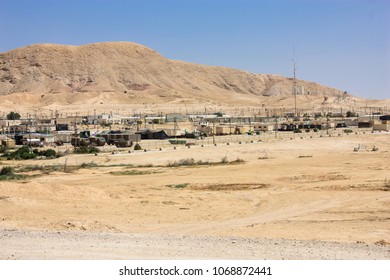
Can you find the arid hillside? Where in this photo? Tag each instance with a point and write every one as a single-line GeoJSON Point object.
{"type": "Point", "coordinates": [128, 73]}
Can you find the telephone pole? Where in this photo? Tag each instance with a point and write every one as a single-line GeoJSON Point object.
{"type": "Point", "coordinates": [295, 85]}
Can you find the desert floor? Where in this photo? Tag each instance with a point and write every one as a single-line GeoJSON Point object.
{"type": "Point", "coordinates": [300, 198]}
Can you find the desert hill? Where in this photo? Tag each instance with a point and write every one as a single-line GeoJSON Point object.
{"type": "Point", "coordinates": [97, 74]}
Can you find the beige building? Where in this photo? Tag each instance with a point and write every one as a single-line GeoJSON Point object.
{"type": "Point", "coordinates": [263, 127]}
{"type": "Point", "coordinates": [224, 129]}
{"type": "Point", "coordinates": [381, 125]}
{"type": "Point", "coordinates": [7, 142]}
{"type": "Point", "coordinates": [242, 129]}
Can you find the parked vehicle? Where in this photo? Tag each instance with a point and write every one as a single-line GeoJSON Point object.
{"type": "Point", "coordinates": [33, 142]}
{"type": "Point", "coordinates": [79, 142]}
{"type": "Point", "coordinates": [122, 143]}
{"type": "Point", "coordinates": [97, 141]}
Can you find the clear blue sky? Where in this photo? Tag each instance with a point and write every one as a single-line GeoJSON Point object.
{"type": "Point", "coordinates": [339, 43]}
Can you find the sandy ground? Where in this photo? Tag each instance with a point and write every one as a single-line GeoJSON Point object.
{"type": "Point", "coordinates": [92, 245]}
{"type": "Point", "coordinates": [294, 199]}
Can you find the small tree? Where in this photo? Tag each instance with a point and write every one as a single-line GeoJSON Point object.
{"type": "Point", "coordinates": [13, 116]}
{"type": "Point", "coordinates": [137, 147]}
{"type": "Point", "coordinates": [6, 171]}
{"type": "Point", "coordinates": [351, 114]}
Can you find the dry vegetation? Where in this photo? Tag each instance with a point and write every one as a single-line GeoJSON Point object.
{"type": "Point", "coordinates": [334, 194]}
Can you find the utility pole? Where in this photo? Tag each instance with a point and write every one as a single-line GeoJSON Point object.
{"type": "Point", "coordinates": [295, 85]}
{"type": "Point", "coordinates": [29, 132]}
{"type": "Point", "coordinates": [175, 126]}
{"type": "Point", "coordinates": [214, 132]}
{"type": "Point", "coordinates": [276, 127]}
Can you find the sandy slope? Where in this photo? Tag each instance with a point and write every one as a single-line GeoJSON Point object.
{"type": "Point", "coordinates": [305, 189]}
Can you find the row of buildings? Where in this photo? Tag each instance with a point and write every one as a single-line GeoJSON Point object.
{"type": "Point", "coordinates": [51, 130]}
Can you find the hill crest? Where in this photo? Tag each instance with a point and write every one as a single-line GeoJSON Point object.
{"type": "Point", "coordinates": [133, 73]}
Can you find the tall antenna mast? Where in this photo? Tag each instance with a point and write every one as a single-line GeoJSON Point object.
{"type": "Point", "coordinates": [295, 84]}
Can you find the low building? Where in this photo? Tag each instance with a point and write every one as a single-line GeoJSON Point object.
{"type": "Point", "coordinates": [44, 138]}
{"type": "Point", "coordinates": [107, 119]}
{"type": "Point", "coordinates": [379, 125]}
{"type": "Point", "coordinates": [365, 124]}
{"type": "Point", "coordinates": [153, 134]}
{"type": "Point", "coordinates": [171, 132]}
{"type": "Point", "coordinates": [63, 135]}
{"type": "Point", "coordinates": [175, 117]}
{"type": "Point", "coordinates": [6, 123]}
{"type": "Point", "coordinates": [117, 135]}
{"type": "Point", "coordinates": [206, 130]}
{"type": "Point", "coordinates": [263, 127]}
{"type": "Point", "coordinates": [8, 143]}
{"type": "Point", "coordinates": [131, 120]}
{"type": "Point", "coordinates": [224, 129]}
{"type": "Point", "coordinates": [241, 129]}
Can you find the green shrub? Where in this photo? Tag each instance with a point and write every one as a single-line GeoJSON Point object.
{"type": "Point", "coordinates": [21, 153]}
{"type": "Point", "coordinates": [25, 153]}
{"type": "Point", "coordinates": [88, 165]}
{"type": "Point", "coordinates": [13, 116]}
{"type": "Point", "coordinates": [182, 162]}
{"type": "Point", "coordinates": [132, 172]}
{"type": "Point", "coordinates": [50, 153]}
{"type": "Point", "coordinates": [86, 150]}
{"type": "Point", "coordinates": [178, 186]}
{"type": "Point", "coordinates": [177, 142]}
{"type": "Point", "coordinates": [137, 147]}
{"type": "Point", "coordinates": [6, 171]}
{"type": "Point", "coordinates": [3, 149]}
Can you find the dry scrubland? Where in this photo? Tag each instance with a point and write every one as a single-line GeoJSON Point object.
{"type": "Point", "coordinates": [296, 199]}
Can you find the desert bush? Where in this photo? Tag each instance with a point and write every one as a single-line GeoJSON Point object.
{"type": "Point", "coordinates": [177, 142]}
{"type": "Point", "coordinates": [13, 116]}
{"type": "Point", "coordinates": [182, 162]}
{"type": "Point", "coordinates": [6, 170]}
{"type": "Point", "coordinates": [132, 172]}
{"type": "Point", "coordinates": [86, 150]}
{"type": "Point", "coordinates": [192, 162]}
{"type": "Point", "coordinates": [224, 160]}
{"type": "Point", "coordinates": [387, 184]}
{"type": "Point", "coordinates": [21, 153]}
{"type": "Point", "coordinates": [50, 153]}
{"type": "Point", "coordinates": [238, 160]}
{"type": "Point", "coordinates": [3, 149]}
{"type": "Point", "coordinates": [137, 147]}
{"type": "Point", "coordinates": [7, 173]}
{"type": "Point", "coordinates": [178, 186]}
{"type": "Point", "coordinates": [26, 153]}
{"type": "Point", "coordinates": [88, 165]}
